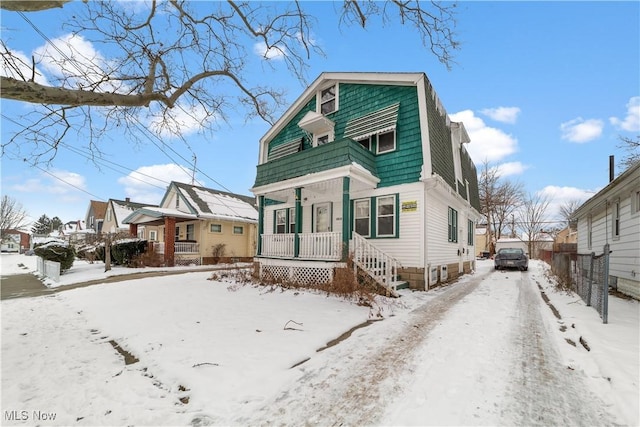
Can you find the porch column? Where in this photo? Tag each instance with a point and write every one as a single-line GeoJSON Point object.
{"type": "Point", "coordinates": [133, 229]}
{"type": "Point", "coordinates": [346, 220]}
{"type": "Point", "coordinates": [169, 241]}
{"type": "Point", "coordinates": [260, 224]}
{"type": "Point", "coordinates": [298, 220]}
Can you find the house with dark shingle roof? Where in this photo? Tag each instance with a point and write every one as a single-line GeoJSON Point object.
{"type": "Point", "coordinates": [95, 215]}
{"type": "Point", "coordinates": [191, 221]}
{"type": "Point", "coordinates": [369, 167]}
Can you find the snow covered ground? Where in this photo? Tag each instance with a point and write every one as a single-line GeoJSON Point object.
{"type": "Point", "coordinates": [214, 352]}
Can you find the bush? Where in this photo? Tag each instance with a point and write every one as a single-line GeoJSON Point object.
{"type": "Point", "coordinates": [123, 252]}
{"type": "Point", "coordinates": [58, 252]}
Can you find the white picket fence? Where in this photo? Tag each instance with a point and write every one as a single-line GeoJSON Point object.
{"type": "Point", "coordinates": [50, 269]}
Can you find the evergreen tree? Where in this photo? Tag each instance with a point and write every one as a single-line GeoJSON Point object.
{"type": "Point", "coordinates": [56, 223]}
{"type": "Point", "coordinates": [42, 225]}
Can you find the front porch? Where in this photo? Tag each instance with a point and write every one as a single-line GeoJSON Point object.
{"type": "Point", "coordinates": [307, 246]}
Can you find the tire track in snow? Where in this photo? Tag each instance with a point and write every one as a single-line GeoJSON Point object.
{"type": "Point", "coordinates": [542, 390]}
{"type": "Point", "coordinates": [353, 393]}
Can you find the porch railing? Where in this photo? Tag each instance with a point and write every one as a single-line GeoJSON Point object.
{"type": "Point", "coordinates": [312, 246]}
{"type": "Point", "coordinates": [378, 264]}
{"type": "Point", "coordinates": [179, 247]}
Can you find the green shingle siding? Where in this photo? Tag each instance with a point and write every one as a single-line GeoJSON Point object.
{"type": "Point", "coordinates": [470, 174]}
{"type": "Point", "coordinates": [355, 100]}
{"type": "Point", "coordinates": [442, 161]}
{"type": "Point", "coordinates": [325, 157]}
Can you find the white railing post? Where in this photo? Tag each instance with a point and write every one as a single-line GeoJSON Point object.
{"type": "Point", "coordinates": [379, 265]}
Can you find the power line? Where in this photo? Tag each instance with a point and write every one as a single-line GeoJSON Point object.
{"type": "Point", "coordinates": [67, 182]}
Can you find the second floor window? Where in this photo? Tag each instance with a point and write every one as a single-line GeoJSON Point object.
{"type": "Point", "coordinates": [386, 142]}
{"type": "Point", "coordinates": [328, 100]}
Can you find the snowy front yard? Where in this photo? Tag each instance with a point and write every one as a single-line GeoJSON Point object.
{"type": "Point", "coordinates": [214, 352]}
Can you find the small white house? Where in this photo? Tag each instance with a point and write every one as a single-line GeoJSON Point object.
{"type": "Point", "coordinates": [613, 216]}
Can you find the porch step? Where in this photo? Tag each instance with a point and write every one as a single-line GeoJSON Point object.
{"type": "Point", "coordinates": [399, 284]}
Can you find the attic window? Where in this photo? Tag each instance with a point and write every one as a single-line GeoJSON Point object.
{"type": "Point", "coordinates": [329, 100]}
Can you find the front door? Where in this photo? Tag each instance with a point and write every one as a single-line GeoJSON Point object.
{"type": "Point", "coordinates": [322, 217]}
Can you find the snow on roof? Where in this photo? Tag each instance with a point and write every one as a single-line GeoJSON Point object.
{"type": "Point", "coordinates": [218, 205]}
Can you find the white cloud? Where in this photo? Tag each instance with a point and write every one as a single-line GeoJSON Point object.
{"type": "Point", "coordinates": [20, 69]}
{"type": "Point", "coordinates": [273, 52]}
{"type": "Point", "coordinates": [59, 182]}
{"type": "Point", "coordinates": [141, 186]}
{"type": "Point", "coordinates": [631, 123]}
{"type": "Point", "coordinates": [179, 120]}
{"type": "Point", "coordinates": [487, 143]}
{"type": "Point", "coordinates": [558, 196]}
{"type": "Point", "coordinates": [511, 168]}
{"type": "Point", "coordinates": [502, 114]}
{"type": "Point", "coordinates": [580, 130]}
{"type": "Point", "coordinates": [73, 58]}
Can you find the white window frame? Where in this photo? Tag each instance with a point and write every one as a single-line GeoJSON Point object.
{"type": "Point", "coordinates": [329, 207]}
{"type": "Point", "coordinates": [335, 98]}
{"type": "Point", "coordinates": [452, 225]}
{"type": "Point", "coordinates": [277, 216]}
{"type": "Point", "coordinates": [316, 137]}
{"type": "Point", "coordinates": [470, 232]}
{"type": "Point", "coordinates": [291, 220]}
{"type": "Point", "coordinates": [392, 215]}
{"type": "Point", "coordinates": [615, 220]}
{"type": "Point", "coordinates": [356, 217]}
{"type": "Point", "coordinates": [589, 231]}
{"type": "Point", "coordinates": [153, 235]}
{"type": "Point", "coordinates": [211, 230]}
{"type": "Point", "coordinates": [238, 227]}
{"type": "Point", "coordinates": [378, 142]}
{"type": "Point", "coordinates": [635, 202]}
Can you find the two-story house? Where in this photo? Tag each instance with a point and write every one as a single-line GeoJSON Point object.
{"type": "Point", "coordinates": [368, 166]}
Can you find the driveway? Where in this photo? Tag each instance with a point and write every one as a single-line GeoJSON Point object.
{"type": "Point", "coordinates": [28, 285]}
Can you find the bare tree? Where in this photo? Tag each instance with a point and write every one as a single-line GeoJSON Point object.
{"type": "Point", "coordinates": [12, 215]}
{"type": "Point", "coordinates": [531, 217]}
{"type": "Point", "coordinates": [499, 200]}
{"type": "Point", "coordinates": [632, 148]}
{"type": "Point", "coordinates": [174, 61]}
{"type": "Point", "coordinates": [566, 212]}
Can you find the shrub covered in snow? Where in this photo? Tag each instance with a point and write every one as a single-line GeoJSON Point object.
{"type": "Point", "coordinates": [57, 251]}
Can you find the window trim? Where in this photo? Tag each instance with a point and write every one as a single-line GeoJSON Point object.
{"type": "Point", "coordinates": [291, 220]}
{"type": "Point", "coordinates": [589, 231]}
{"type": "Point", "coordinates": [615, 220]}
{"type": "Point", "coordinates": [335, 99]}
{"type": "Point", "coordinates": [470, 232]}
{"type": "Point", "coordinates": [241, 227]}
{"type": "Point", "coordinates": [211, 228]}
{"type": "Point", "coordinates": [395, 145]}
{"type": "Point", "coordinates": [314, 217]}
{"type": "Point", "coordinates": [275, 221]}
{"type": "Point", "coordinates": [368, 217]}
{"type": "Point", "coordinates": [153, 235]}
{"type": "Point", "coordinates": [635, 202]}
{"type": "Point", "coordinates": [452, 225]}
{"type": "Point", "coordinates": [393, 215]}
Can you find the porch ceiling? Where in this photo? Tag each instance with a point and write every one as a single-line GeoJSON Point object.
{"type": "Point", "coordinates": [328, 182]}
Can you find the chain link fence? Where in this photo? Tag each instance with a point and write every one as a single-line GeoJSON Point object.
{"type": "Point", "coordinates": [590, 278]}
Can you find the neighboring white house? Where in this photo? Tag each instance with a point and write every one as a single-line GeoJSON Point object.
{"type": "Point", "coordinates": [368, 165]}
{"type": "Point", "coordinates": [613, 216]}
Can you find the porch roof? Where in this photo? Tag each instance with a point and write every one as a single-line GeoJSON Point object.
{"type": "Point", "coordinates": [155, 216]}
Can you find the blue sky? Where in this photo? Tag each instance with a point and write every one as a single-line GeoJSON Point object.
{"type": "Point", "coordinates": [545, 90]}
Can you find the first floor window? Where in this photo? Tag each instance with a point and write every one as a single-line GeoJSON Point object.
{"type": "Point", "coordinates": [191, 232]}
{"type": "Point", "coordinates": [177, 237]}
{"type": "Point", "coordinates": [470, 232]}
{"type": "Point", "coordinates": [153, 236]}
{"type": "Point", "coordinates": [635, 202]}
{"type": "Point", "coordinates": [386, 207]}
{"type": "Point", "coordinates": [616, 219]}
{"type": "Point", "coordinates": [589, 231]}
{"type": "Point", "coordinates": [215, 228]}
{"type": "Point", "coordinates": [281, 221]}
{"type": "Point", "coordinates": [238, 229]}
{"type": "Point", "coordinates": [453, 225]}
{"type": "Point", "coordinates": [292, 220]}
{"type": "Point", "coordinates": [362, 216]}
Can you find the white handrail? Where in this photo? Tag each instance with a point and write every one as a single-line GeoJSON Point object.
{"type": "Point", "coordinates": [378, 264]}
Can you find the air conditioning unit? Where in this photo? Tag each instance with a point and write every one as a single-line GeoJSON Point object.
{"type": "Point", "coordinates": [433, 275]}
{"type": "Point", "coordinates": [443, 273]}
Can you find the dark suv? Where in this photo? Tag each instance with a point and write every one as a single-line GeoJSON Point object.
{"type": "Point", "coordinates": [511, 258]}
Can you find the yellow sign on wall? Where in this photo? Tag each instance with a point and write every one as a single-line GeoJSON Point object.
{"type": "Point", "coordinates": [410, 206]}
